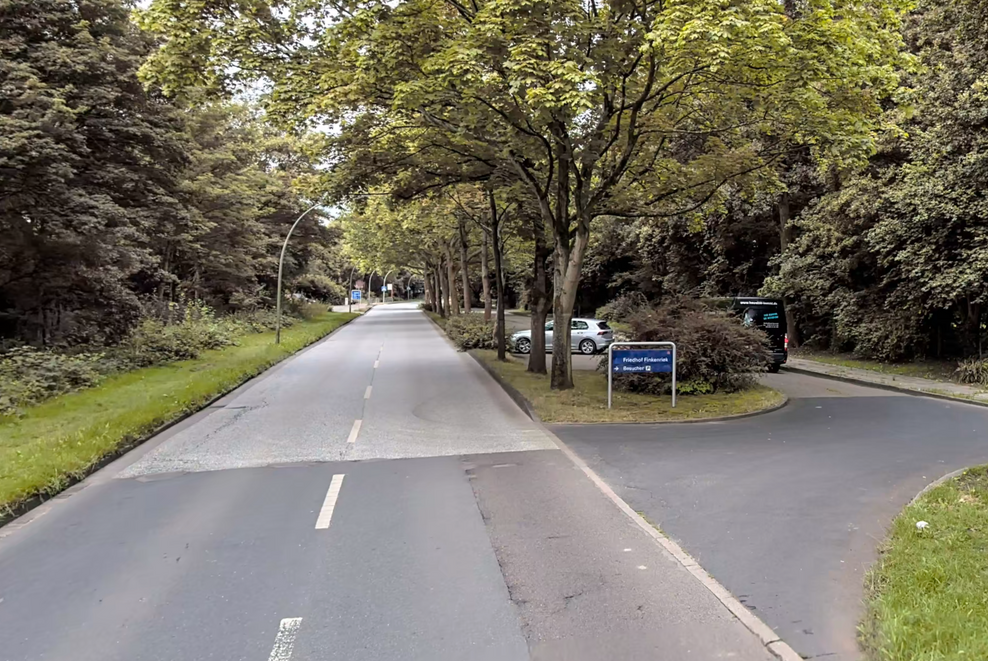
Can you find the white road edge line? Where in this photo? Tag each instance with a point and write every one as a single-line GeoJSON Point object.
{"type": "Point", "coordinates": [367, 392]}
{"type": "Point", "coordinates": [769, 639]}
{"type": "Point", "coordinates": [284, 642]}
{"type": "Point", "coordinates": [352, 438]}
{"type": "Point", "coordinates": [328, 505]}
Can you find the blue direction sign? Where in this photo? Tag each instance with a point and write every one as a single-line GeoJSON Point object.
{"type": "Point", "coordinates": [641, 361]}
{"type": "Point", "coordinates": [355, 295]}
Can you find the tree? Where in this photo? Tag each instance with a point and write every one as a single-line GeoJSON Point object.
{"type": "Point", "coordinates": [88, 170]}
{"type": "Point", "coordinates": [629, 110]}
{"type": "Point", "coordinates": [893, 263]}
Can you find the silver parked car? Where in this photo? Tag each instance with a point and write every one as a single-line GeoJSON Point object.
{"type": "Point", "coordinates": [588, 337]}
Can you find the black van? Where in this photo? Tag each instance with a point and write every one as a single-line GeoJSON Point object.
{"type": "Point", "coordinates": [769, 314]}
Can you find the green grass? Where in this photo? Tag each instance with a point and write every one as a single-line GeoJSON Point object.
{"type": "Point", "coordinates": [928, 592]}
{"type": "Point", "coordinates": [587, 401]}
{"type": "Point", "coordinates": [57, 442]}
{"type": "Point", "coordinates": [937, 370]}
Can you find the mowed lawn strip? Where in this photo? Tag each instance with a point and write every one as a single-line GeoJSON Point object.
{"type": "Point", "coordinates": [59, 441]}
{"type": "Point", "coordinates": [927, 596]}
{"type": "Point", "coordinates": [587, 401]}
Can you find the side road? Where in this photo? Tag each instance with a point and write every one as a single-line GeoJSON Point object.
{"type": "Point", "coordinates": [376, 497]}
{"type": "Point", "coordinates": [786, 509]}
{"type": "Point", "coordinates": [909, 384]}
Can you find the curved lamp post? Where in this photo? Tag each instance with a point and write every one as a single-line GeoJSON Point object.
{"type": "Point", "coordinates": [281, 265]}
{"type": "Point", "coordinates": [349, 292]}
{"type": "Point", "coordinates": [384, 293]}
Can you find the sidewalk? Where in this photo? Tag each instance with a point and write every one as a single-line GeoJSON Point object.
{"type": "Point", "coordinates": [892, 381]}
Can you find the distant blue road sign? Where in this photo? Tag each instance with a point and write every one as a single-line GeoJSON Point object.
{"type": "Point", "coordinates": [355, 295]}
{"type": "Point", "coordinates": [641, 361]}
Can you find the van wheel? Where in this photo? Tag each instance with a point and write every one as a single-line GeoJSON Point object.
{"type": "Point", "coordinates": [774, 368]}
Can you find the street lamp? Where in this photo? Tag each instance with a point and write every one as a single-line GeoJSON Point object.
{"type": "Point", "coordinates": [349, 291]}
{"type": "Point", "coordinates": [384, 287]}
{"type": "Point", "coordinates": [281, 265]}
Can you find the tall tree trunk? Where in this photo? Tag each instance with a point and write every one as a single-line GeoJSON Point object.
{"type": "Point", "coordinates": [485, 276]}
{"type": "Point", "coordinates": [430, 298]}
{"type": "Point", "coordinates": [464, 272]}
{"type": "Point", "coordinates": [502, 351]}
{"type": "Point", "coordinates": [443, 291]}
{"type": "Point", "coordinates": [567, 263]}
{"type": "Point", "coordinates": [785, 238]}
{"type": "Point", "coordinates": [454, 300]}
{"type": "Point", "coordinates": [538, 298]}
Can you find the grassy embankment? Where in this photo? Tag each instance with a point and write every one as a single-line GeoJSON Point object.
{"type": "Point", "coordinates": [587, 401]}
{"type": "Point", "coordinates": [928, 593]}
{"type": "Point", "coordinates": [59, 441]}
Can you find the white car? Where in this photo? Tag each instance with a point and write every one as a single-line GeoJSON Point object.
{"type": "Point", "coordinates": [588, 336]}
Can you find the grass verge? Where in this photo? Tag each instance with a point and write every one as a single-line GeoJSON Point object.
{"type": "Point", "coordinates": [926, 595]}
{"type": "Point", "coordinates": [59, 441]}
{"type": "Point", "coordinates": [925, 369]}
{"type": "Point", "coordinates": [587, 401]}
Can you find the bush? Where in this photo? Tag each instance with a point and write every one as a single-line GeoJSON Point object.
{"type": "Point", "coordinates": [715, 353]}
{"type": "Point", "coordinates": [973, 371]}
{"type": "Point", "coordinates": [426, 307]}
{"type": "Point", "coordinates": [30, 376]}
{"type": "Point", "coordinates": [470, 331]}
{"type": "Point", "coordinates": [622, 307]}
{"type": "Point", "coordinates": [154, 341]}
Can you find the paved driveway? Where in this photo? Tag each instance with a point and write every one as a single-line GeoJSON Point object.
{"type": "Point", "coordinates": [786, 509]}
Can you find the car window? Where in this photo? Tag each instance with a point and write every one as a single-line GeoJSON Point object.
{"type": "Point", "coordinates": [548, 326]}
{"type": "Point", "coordinates": [603, 325]}
{"type": "Point", "coordinates": [579, 325]}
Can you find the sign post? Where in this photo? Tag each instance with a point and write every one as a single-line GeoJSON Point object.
{"type": "Point", "coordinates": [641, 358]}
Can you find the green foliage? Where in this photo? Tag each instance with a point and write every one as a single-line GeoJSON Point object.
{"type": "Point", "coordinates": [715, 353]}
{"type": "Point", "coordinates": [155, 341]}
{"type": "Point", "coordinates": [894, 263]}
{"type": "Point", "coordinates": [29, 376]}
{"type": "Point", "coordinates": [113, 195]}
{"type": "Point", "coordinates": [973, 371]}
{"type": "Point", "coordinates": [470, 331]}
{"type": "Point", "coordinates": [622, 307]}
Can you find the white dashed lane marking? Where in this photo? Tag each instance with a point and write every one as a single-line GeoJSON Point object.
{"type": "Point", "coordinates": [352, 438]}
{"type": "Point", "coordinates": [328, 505]}
{"type": "Point", "coordinates": [367, 393]}
{"type": "Point", "coordinates": [284, 642]}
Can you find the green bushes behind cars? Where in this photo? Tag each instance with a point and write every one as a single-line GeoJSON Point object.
{"type": "Point", "coordinates": [714, 352]}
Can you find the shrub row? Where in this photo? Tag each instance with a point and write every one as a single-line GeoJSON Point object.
{"type": "Point", "coordinates": [470, 331]}
{"type": "Point", "coordinates": [29, 375]}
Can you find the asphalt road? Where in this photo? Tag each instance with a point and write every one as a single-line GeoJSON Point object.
{"type": "Point", "coordinates": [787, 509]}
{"type": "Point", "coordinates": [444, 526]}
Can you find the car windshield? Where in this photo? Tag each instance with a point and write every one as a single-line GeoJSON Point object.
{"type": "Point", "coordinates": [603, 325]}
